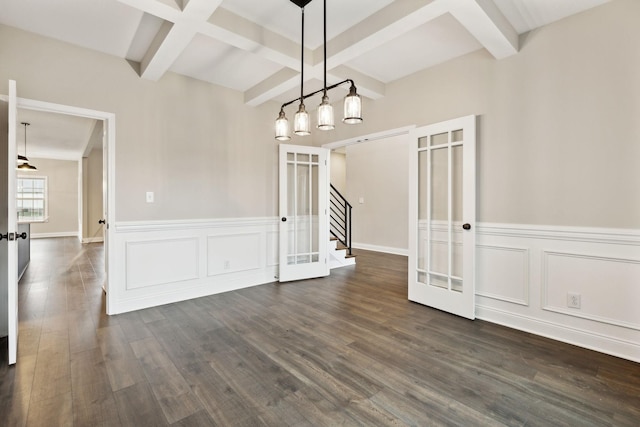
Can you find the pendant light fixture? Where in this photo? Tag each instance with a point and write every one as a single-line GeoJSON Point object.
{"type": "Point", "coordinates": [25, 162]}
{"type": "Point", "coordinates": [352, 102]}
{"type": "Point", "coordinates": [325, 109]}
{"type": "Point", "coordinates": [301, 120]}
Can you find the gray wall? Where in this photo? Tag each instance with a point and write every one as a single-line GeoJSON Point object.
{"type": "Point", "coordinates": [339, 171]}
{"type": "Point", "coordinates": [559, 134]}
{"type": "Point", "coordinates": [62, 194]}
{"type": "Point", "coordinates": [377, 173]}
{"type": "Point", "coordinates": [202, 151]}
{"type": "Point", "coordinates": [92, 211]}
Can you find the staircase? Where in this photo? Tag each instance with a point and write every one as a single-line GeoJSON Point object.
{"type": "Point", "coordinates": [338, 256]}
{"type": "Point", "coordinates": [340, 229]}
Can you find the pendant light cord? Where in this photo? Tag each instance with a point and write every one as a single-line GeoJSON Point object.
{"type": "Point", "coordinates": [302, 61]}
{"type": "Point", "coordinates": [324, 18]}
{"type": "Point", "coordinates": [25, 138]}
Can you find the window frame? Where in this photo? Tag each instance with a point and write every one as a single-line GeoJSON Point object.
{"type": "Point", "coordinates": [45, 192]}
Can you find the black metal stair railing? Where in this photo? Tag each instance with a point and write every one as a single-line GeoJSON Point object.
{"type": "Point", "coordinates": [340, 218]}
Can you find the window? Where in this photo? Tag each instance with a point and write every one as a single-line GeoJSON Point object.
{"type": "Point", "coordinates": [31, 201]}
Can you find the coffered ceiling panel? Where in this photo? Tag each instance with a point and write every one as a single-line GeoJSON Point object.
{"type": "Point", "coordinates": [432, 43]}
{"type": "Point", "coordinates": [226, 65]}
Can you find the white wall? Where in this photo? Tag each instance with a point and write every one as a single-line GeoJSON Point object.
{"type": "Point", "coordinates": [62, 194]}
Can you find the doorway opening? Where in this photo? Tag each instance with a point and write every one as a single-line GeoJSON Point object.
{"type": "Point", "coordinates": [371, 172]}
{"type": "Point", "coordinates": [104, 134]}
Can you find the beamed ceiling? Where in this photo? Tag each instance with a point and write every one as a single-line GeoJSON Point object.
{"type": "Point", "coordinates": [253, 46]}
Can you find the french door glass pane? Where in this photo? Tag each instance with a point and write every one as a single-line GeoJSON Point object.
{"type": "Point", "coordinates": [423, 194]}
{"type": "Point", "coordinates": [456, 194]}
{"type": "Point", "coordinates": [439, 248]}
{"type": "Point", "coordinates": [303, 212]}
{"type": "Point", "coordinates": [457, 135]}
{"type": "Point", "coordinates": [302, 208]}
{"type": "Point", "coordinates": [440, 139]}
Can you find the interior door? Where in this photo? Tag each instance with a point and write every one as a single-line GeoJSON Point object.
{"type": "Point", "coordinates": [8, 223]}
{"type": "Point", "coordinates": [304, 221]}
{"type": "Point", "coordinates": [105, 205]}
{"type": "Point", "coordinates": [442, 216]}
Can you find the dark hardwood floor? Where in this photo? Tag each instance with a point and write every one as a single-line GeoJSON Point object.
{"type": "Point", "coordinates": [344, 350]}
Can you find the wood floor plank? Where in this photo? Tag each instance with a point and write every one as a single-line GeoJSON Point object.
{"type": "Point", "coordinates": [56, 410]}
{"type": "Point", "coordinates": [169, 387]}
{"type": "Point", "coordinates": [137, 406]}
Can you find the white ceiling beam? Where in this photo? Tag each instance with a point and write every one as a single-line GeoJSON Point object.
{"type": "Point", "coordinates": [167, 45]}
{"type": "Point", "coordinates": [272, 87]}
{"type": "Point", "coordinates": [175, 33]}
{"type": "Point", "coordinates": [488, 25]}
{"type": "Point", "coordinates": [239, 32]}
{"type": "Point", "coordinates": [164, 9]}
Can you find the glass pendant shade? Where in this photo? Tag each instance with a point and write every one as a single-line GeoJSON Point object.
{"type": "Point", "coordinates": [301, 122]}
{"type": "Point", "coordinates": [325, 115]}
{"type": "Point", "coordinates": [352, 107]}
{"type": "Point", "coordinates": [282, 127]}
{"type": "Point", "coordinates": [22, 159]}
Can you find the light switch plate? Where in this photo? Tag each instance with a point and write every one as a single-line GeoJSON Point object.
{"type": "Point", "coordinates": [149, 196]}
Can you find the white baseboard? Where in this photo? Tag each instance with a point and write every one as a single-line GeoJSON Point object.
{"type": "Point", "coordinates": [92, 240]}
{"type": "Point", "coordinates": [383, 249]}
{"type": "Point", "coordinates": [576, 336]}
{"type": "Point", "coordinates": [58, 234]}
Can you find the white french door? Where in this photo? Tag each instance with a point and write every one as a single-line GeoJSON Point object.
{"type": "Point", "coordinates": [304, 221]}
{"type": "Point", "coordinates": [442, 215]}
{"type": "Point", "coordinates": [8, 223]}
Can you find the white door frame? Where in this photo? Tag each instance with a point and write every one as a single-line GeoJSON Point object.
{"type": "Point", "coordinates": [110, 140]}
{"type": "Point", "coordinates": [370, 137]}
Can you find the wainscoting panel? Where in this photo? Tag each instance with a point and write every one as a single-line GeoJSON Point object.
{"type": "Point", "coordinates": [156, 262]}
{"type": "Point", "coordinates": [503, 273]}
{"type": "Point", "coordinates": [525, 275]}
{"type": "Point", "coordinates": [160, 262]}
{"type": "Point", "coordinates": [234, 252]}
{"type": "Point", "coordinates": [599, 280]}
{"type": "Point", "coordinates": [273, 245]}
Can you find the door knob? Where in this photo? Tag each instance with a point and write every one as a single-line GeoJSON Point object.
{"type": "Point", "coordinates": [102, 221]}
{"type": "Point", "coordinates": [466, 226]}
{"type": "Point", "coordinates": [284, 219]}
{"type": "Point", "coordinates": [22, 235]}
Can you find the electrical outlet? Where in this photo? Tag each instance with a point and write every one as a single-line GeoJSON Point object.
{"type": "Point", "coordinates": [573, 300]}
{"type": "Point", "coordinates": [149, 196]}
